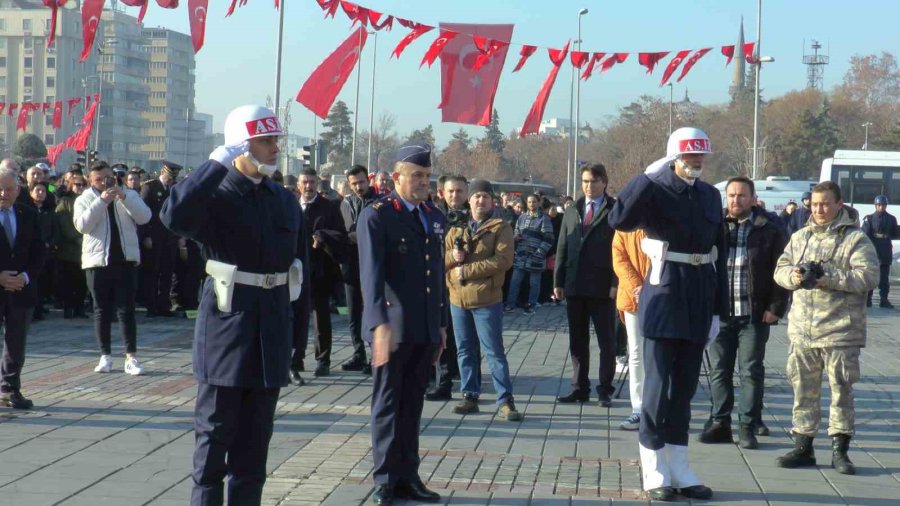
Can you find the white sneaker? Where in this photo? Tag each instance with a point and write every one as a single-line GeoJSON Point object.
{"type": "Point", "coordinates": [133, 367]}
{"type": "Point", "coordinates": [105, 364]}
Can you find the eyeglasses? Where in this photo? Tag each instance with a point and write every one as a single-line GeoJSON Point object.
{"type": "Point", "coordinates": [79, 185]}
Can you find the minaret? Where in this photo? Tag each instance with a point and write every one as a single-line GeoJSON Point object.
{"type": "Point", "coordinates": [738, 81]}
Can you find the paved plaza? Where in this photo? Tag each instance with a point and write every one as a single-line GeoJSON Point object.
{"type": "Point", "coordinates": [95, 439]}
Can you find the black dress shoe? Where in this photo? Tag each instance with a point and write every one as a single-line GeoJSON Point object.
{"type": "Point", "coordinates": [384, 494]}
{"type": "Point", "coordinates": [574, 396]}
{"type": "Point", "coordinates": [415, 491]}
{"type": "Point", "coordinates": [605, 399]}
{"type": "Point", "coordinates": [367, 369]}
{"type": "Point", "coordinates": [15, 400]}
{"type": "Point", "coordinates": [696, 492]}
{"type": "Point", "coordinates": [716, 432]}
{"type": "Point", "coordinates": [761, 429]}
{"type": "Point", "coordinates": [355, 364]}
{"type": "Point", "coordinates": [322, 369]}
{"type": "Point", "coordinates": [296, 378]}
{"type": "Point", "coordinates": [439, 394]}
{"type": "Point", "coordinates": [662, 494]}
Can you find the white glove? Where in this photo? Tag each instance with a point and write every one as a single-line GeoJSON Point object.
{"type": "Point", "coordinates": [713, 330]}
{"type": "Point", "coordinates": [226, 154]}
{"type": "Point", "coordinates": [660, 164]}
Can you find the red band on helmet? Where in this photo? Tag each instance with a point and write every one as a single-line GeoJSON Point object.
{"type": "Point", "coordinates": [688, 145]}
{"type": "Point", "coordinates": [263, 126]}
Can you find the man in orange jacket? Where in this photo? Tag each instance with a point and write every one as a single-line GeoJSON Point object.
{"type": "Point", "coordinates": [631, 266]}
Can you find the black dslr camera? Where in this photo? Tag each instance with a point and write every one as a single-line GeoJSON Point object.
{"type": "Point", "coordinates": [810, 272]}
{"type": "Point", "coordinates": [457, 217]}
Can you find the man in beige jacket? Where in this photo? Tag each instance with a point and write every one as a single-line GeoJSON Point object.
{"type": "Point", "coordinates": [476, 260]}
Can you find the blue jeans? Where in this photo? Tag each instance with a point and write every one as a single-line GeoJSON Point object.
{"type": "Point", "coordinates": [486, 325]}
{"type": "Point", "coordinates": [534, 282]}
{"type": "Point", "coordinates": [743, 341]}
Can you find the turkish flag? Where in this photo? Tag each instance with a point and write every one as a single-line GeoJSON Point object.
{"type": "Point", "coordinates": [728, 52]}
{"type": "Point", "coordinates": [72, 102]}
{"type": "Point", "coordinates": [524, 54]}
{"type": "Point", "coordinates": [197, 17]}
{"type": "Point", "coordinates": [468, 86]}
{"type": "Point", "coordinates": [53, 152]}
{"type": "Point", "coordinates": [748, 52]}
{"type": "Point", "coordinates": [57, 114]}
{"type": "Point", "coordinates": [692, 60]}
{"type": "Point", "coordinates": [91, 10]}
{"type": "Point", "coordinates": [324, 84]}
{"type": "Point", "coordinates": [138, 3]}
{"type": "Point", "coordinates": [54, 6]}
{"type": "Point", "coordinates": [417, 31]}
{"type": "Point", "coordinates": [650, 60]}
{"type": "Point", "coordinates": [374, 16]}
{"type": "Point", "coordinates": [579, 58]}
{"type": "Point", "coordinates": [438, 46]}
{"type": "Point", "coordinates": [24, 113]}
{"type": "Point", "coordinates": [173, 4]}
{"type": "Point", "coordinates": [2, 107]}
{"type": "Point", "coordinates": [589, 68]}
{"type": "Point", "coordinates": [673, 65]}
{"type": "Point", "coordinates": [12, 108]}
{"type": "Point", "coordinates": [533, 120]}
{"type": "Point", "coordinates": [612, 60]}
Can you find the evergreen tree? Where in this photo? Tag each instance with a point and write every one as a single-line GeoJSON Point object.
{"type": "Point", "coordinates": [425, 134]}
{"type": "Point", "coordinates": [460, 140]}
{"type": "Point", "coordinates": [339, 133]}
{"type": "Point", "coordinates": [816, 140]}
{"type": "Point", "coordinates": [493, 137]}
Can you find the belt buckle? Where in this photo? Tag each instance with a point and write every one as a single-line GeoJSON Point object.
{"type": "Point", "coordinates": [696, 259]}
{"type": "Point", "coordinates": [269, 281]}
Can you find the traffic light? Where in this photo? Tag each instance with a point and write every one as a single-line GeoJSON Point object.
{"type": "Point", "coordinates": [307, 154]}
{"type": "Point", "coordinates": [94, 155]}
{"type": "Point", "coordinates": [81, 157]}
{"type": "Point", "coordinates": [321, 153]}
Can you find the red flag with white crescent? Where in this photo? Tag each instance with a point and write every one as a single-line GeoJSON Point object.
{"type": "Point", "coordinates": [417, 30]}
{"type": "Point", "coordinates": [24, 113]}
{"type": "Point", "coordinates": [326, 81]}
{"type": "Point", "coordinates": [612, 60]}
{"type": "Point", "coordinates": [197, 18]}
{"type": "Point", "coordinates": [673, 65]}
{"type": "Point", "coordinates": [356, 13]}
{"type": "Point", "coordinates": [138, 3]}
{"type": "Point", "coordinates": [57, 114]}
{"type": "Point", "coordinates": [470, 71]}
{"type": "Point", "coordinates": [589, 68]}
{"type": "Point", "coordinates": [650, 60]}
{"type": "Point", "coordinates": [524, 54]}
{"type": "Point", "coordinates": [54, 6]}
{"type": "Point", "coordinates": [437, 46]}
{"type": "Point", "coordinates": [691, 61]}
{"type": "Point", "coordinates": [535, 115]}
{"type": "Point", "coordinates": [728, 52]}
{"type": "Point", "coordinates": [748, 52]}
{"type": "Point", "coordinates": [579, 58]}
{"type": "Point", "coordinates": [375, 16]}
{"type": "Point", "coordinates": [72, 102]}
{"type": "Point", "coordinates": [91, 10]}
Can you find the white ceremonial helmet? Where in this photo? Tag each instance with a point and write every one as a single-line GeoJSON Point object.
{"type": "Point", "coordinates": [249, 121]}
{"type": "Point", "coordinates": [682, 141]}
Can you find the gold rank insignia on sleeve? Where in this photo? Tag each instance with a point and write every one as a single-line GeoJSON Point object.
{"type": "Point", "coordinates": [377, 205]}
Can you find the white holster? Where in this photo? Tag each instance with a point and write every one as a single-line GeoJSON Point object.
{"type": "Point", "coordinates": [295, 279]}
{"type": "Point", "coordinates": [223, 282]}
{"type": "Point", "coordinates": [658, 252]}
{"type": "Point", "coordinates": [225, 276]}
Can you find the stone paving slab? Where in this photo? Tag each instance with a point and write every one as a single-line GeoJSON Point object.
{"type": "Point", "coordinates": [115, 439]}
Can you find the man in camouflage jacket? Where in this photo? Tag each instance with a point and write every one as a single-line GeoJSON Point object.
{"type": "Point", "coordinates": [827, 322]}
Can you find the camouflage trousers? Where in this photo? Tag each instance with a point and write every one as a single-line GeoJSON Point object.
{"type": "Point", "coordinates": [804, 369]}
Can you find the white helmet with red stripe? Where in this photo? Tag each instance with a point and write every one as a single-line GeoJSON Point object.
{"type": "Point", "coordinates": [249, 121]}
{"type": "Point", "coordinates": [688, 140]}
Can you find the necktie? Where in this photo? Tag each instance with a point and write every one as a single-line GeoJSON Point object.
{"type": "Point", "coordinates": [7, 228]}
{"type": "Point", "coordinates": [588, 217]}
{"type": "Point", "coordinates": [417, 216]}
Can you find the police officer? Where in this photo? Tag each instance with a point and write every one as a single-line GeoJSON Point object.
{"type": "Point", "coordinates": [159, 246]}
{"type": "Point", "coordinates": [681, 299]}
{"type": "Point", "coordinates": [881, 227]}
{"type": "Point", "coordinates": [400, 239]}
{"type": "Point", "coordinates": [801, 215]}
{"type": "Point", "coordinates": [247, 227]}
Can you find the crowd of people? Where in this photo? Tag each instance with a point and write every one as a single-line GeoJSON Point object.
{"type": "Point", "coordinates": [428, 275]}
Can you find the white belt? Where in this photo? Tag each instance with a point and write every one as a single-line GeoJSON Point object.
{"type": "Point", "coordinates": [692, 258]}
{"type": "Point", "coordinates": [267, 281]}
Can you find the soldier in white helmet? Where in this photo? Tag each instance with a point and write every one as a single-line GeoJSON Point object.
{"type": "Point", "coordinates": [248, 228]}
{"type": "Point", "coordinates": [681, 299]}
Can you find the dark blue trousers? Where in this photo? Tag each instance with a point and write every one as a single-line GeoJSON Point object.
{"type": "Point", "coordinates": [232, 429]}
{"type": "Point", "coordinates": [398, 393]}
{"type": "Point", "coordinates": [672, 369]}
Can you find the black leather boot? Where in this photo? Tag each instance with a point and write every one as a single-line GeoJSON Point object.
{"type": "Point", "coordinates": [839, 459]}
{"type": "Point", "coordinates": [802, 455]}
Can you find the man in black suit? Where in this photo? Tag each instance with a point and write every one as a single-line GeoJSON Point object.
{"type": "Point", "coordinates": [584, 275]}
{"type": "Point", "coordinates": [21, 258]}
{"type": "Point", "coordinates": [327, 239]}
{"type": "Point", "coordinates": [159, 246]}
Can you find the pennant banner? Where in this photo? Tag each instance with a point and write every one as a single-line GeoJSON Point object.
{"type": "Point", "coordinates": [524, 54]}
{"type": "Point", "coordinates": [650, 60]}
{"type": "Point", "coordinates": [417, 31]}
{"type": "Point", "coordinates": [323, 86]}
{"type": "Point", "coordinates": [536, 114]}
{"type": "Point", "coordinates": [197, 18]}
{"type": "Point", "coordinates": [589, 68]}
{"type": "Point", "coordinates": [691, 61]}
{"type": "Point", "coordinates": [138, 3]}
{"type": "Point", "coordinates": [437, 47]}
{"type": "Point", "coordinates": [91, 10]}
{"type": "Point", "coordinates": [673, 66]}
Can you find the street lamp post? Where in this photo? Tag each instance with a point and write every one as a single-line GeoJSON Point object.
{"type": "Point", "coordinates": [671, 97]}
{"type": "Point", "coordinates": [866, 125]}
{"type": "Point", "coordinates": [575, 174]}
{"type": "Point", "coordinates": [107, 41]}
{"type": "Point", "coordinates": [356, 107]}
{"type": "Point", "coordinates": [758, 61]}
{"type": "Point", "coordinates": [187, 128]}
{"type": "Point", "coordinates": [374, 35]}
{"type": "Point", "coordinates": [285, 168]}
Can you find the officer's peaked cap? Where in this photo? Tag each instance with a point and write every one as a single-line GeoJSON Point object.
{"type": "Point", "coordinates": [415, 151]}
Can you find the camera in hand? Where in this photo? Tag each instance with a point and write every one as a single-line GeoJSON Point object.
{"type": "Point", "coordinates": [110, 182]}
{"type": "Point", "coordinates": [460, 244]}
{"type": "Point", "coordinates": [457, 217]}
{"type": "Point", "coordinates": [810, 273]}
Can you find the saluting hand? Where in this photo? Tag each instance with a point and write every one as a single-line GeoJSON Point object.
{"type": "Point", "coordinates": [382, 345]}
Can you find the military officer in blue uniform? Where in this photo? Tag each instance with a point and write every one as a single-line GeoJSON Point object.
{"type": "Point", "coordinates": [881, 228]}
{"type": "Point", "coordinates": [400, 239]}
{"type": "Point", "coordinates": [247, 227]}
{"type": "Point", "coordinates": [681, 299]}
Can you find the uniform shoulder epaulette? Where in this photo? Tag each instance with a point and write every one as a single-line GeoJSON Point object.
{"type": "Point", "coordinates": [377, 205]}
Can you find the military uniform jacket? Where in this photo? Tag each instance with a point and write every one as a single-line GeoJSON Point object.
{"type": "Point", "coordinates": [689, 218]}
{"type": "Point", "coordinates": [881, 228]}
{"type": "Point", "coordinates": [154, 194]}
{"type": "Point", "coordinates": [402, 270]}
{"type": "Point", "coordinates": [256, 227]}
